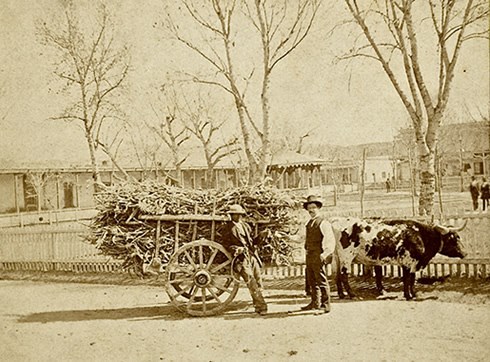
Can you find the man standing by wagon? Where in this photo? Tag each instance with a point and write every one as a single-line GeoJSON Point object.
{"type": "Point", "coordinates": [319, 245]}
{"type": "Point", "coordinates": [239, 242]}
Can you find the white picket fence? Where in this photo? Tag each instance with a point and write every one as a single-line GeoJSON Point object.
{"type": "Point", "coordinates": [22, 249]}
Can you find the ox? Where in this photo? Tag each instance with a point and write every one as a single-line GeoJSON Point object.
{"type": "Point", "coordinates": [407, 243]}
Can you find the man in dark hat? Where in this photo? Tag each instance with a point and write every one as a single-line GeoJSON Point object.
{"type": "Point", "coordinates": [319, 245]}
{"type": "Point", "coordinates": [240, 243]}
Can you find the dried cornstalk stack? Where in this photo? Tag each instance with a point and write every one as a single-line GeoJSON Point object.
{"type": "Point", "coordinates": [117, 230]}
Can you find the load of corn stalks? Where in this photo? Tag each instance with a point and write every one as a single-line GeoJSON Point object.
{"type": "Point", "coordinates": [120, 230]}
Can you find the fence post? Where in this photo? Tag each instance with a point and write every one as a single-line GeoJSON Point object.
{"type": "Point", "coordinates": [52, 253]}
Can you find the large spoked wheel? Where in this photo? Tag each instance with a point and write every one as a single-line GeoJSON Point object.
{"type": "Point", "coordinates": [199, 278]}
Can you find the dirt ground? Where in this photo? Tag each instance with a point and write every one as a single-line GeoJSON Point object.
{"type": "Point", "coordinates": [59, 320]}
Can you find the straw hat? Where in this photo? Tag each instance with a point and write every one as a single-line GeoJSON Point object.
{"type": "Point", "coordinates": [236, 209]}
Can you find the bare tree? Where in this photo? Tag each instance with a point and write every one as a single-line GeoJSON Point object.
{"type": "Point", "coordinates": [111, 145]}
{"type": "Point", "coordinates": [171, 130]}
{"type": "Point", "coordinates": [292, 141]}
{"type": "Point", "coordinates": [93, 69]}
{"type": "Point", "coordinates": [38, 182]}
{"type": "Point", "coordinates": [217, 21]}
{"type": "Point", "coordinates": [145, 146]}
{"type": "Point", "coordinates": [451, 23]}
{"type": "Point", "coordinates": [281, 29]}
{"type": "Point", "coordinates": [204, 126]}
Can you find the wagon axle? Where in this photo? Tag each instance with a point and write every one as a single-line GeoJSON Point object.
{"type": "Point", "coordinates": [202, 278]}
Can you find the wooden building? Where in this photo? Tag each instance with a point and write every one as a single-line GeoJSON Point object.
{"type": "Point", "coordinates": [52, 186]}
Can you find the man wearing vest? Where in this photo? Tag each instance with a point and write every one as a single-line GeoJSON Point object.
{"type": "Point", "coordinates": [239, 242]}
{"type": "Point", "coordinates": [319, 245]}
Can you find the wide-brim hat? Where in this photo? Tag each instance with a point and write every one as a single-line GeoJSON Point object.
{"type": "Point", "coordinates": [312, 199]}
{"type": "Point", "coordinates": [236, 209]}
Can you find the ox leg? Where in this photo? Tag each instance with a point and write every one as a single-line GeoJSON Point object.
{"type": "Point", "coordinates": [340, 287]}
{"type": "Point", "coordinates": [378, 272]}
{"type": "Point", "coordinates": [406, 283]}
{"type": "Point", "coordinates": [412, 285]}
{"type": "Point", "coordinates": [345, 281]}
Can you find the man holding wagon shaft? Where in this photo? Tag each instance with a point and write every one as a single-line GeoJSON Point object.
{"type": "Point", "coordinates": [319, 245]}
{"type": "Point", "coordinates": [239, 242]}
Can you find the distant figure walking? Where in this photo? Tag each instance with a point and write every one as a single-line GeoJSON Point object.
{"type": "Point", "coordinates": [388, 185]}
{"type": "Point", "coordinates": [475, 192]}
{"type": "Point", "coordinates": [485, 193]}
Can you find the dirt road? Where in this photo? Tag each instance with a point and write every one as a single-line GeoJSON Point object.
{"type": "Point", "coordinates": [83, 322]}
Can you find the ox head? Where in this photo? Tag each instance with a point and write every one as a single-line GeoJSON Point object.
{"type": "Point", "coordinates": [452, 245]}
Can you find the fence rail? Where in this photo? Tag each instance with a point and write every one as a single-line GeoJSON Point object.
{"type": "Point", "coordinates": [438, 267]}
{"type": "Point", "coordinates": [468, 268]}
{"type": "Point", "coordinates": [47, 217]}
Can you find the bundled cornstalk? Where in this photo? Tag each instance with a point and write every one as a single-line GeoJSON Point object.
{"type": "Point", "coordinates": [118, 230]}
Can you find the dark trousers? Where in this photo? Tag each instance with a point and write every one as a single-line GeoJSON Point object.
{"type": "Point", "coordinates": [317, 279]}
{"type": "Point", "coordinates": [475, 202]}
{"type": "Point", "coordinates": [251, 275]}
{"type": "Point", "coordinates": [485, 204]}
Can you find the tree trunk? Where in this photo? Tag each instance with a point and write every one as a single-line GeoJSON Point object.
{"type": "Point", "coordinates": [427, 180]}
{"type": "Point", "coordinates": [93, 160]}
{"type": "Point", "coordinates": [178, 169]}
{"type": "Point", "coordinates": [412, 180]}
{"type": "Point", "coordinates": [210, 179]}
{"type": "Point", "coordinates": [252, 163]}
{"type": "Point", "coordinates": [439, 184]}
{"type": "Point", "coordinates": [265, 155]}
{"type": "Point", "coordinates": [210, 176]}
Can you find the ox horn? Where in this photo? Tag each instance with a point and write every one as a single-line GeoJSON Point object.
{"type": "Point", "coordinates": [460, 228]}
{"type": "Point", "coordinates": [442, 229]}
{"type": "Point", "coordinates": [446, 229]}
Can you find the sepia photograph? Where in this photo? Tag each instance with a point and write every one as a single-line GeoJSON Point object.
{"type": "Point", "coordinates": [244, 180]}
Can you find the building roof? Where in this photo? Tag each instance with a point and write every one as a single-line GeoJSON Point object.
{"type": "Point", "coordinates": [286, 158]}
{"type": "Point", "coordinates": [468, 137]}
{"type": "Point", "coordinates": [194, 160]}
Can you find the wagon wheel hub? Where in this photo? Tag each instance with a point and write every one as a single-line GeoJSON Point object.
{"type": "Point", "coordinates": [202, 278]}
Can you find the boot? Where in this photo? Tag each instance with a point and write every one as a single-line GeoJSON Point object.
{"type": "Point", "coordinates": [315, 300]}
{"type": "Point", "coordinates": [310, 306]}
{"type": "Point", "coordinates": [325, 307]}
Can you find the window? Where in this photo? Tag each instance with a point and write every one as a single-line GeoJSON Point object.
{"type": "Point", "coordinates": [68, 194]}
{"type": "Point", "coordinates": [478, 167]}
{"type": "Point", "coordinates": [383, 174]}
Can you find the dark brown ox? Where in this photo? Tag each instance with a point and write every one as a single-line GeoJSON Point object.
{"type": "Point", "coordinates": [408, 243]}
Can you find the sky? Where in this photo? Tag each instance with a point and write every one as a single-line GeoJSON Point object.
{"type": "Point", "coordinates": [344, 103]}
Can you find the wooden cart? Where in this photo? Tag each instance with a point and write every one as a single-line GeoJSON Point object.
{"type": "Point", "coordinates": [198, 277]}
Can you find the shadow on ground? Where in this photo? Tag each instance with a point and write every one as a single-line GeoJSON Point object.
{"type": "Point", "coordinates": [286, 292]}
{"type": "Point", "coordinates": [165, 312]}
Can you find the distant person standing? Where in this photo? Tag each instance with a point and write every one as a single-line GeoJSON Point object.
{"type": "Point", "coordinates": [485, 193]}
{"type": "Point", "coordinates": [388, 185]}
{"type": "Point", "coordinates": [475, 192]}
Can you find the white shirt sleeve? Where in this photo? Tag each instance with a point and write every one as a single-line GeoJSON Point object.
{"type": "Point", "coordinates": [328, 241]}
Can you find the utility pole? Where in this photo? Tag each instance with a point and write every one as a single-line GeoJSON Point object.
{"type": "Point", "coordinates": [363, 170]}
{"type": "Point", "coordinates": [461, 170]}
